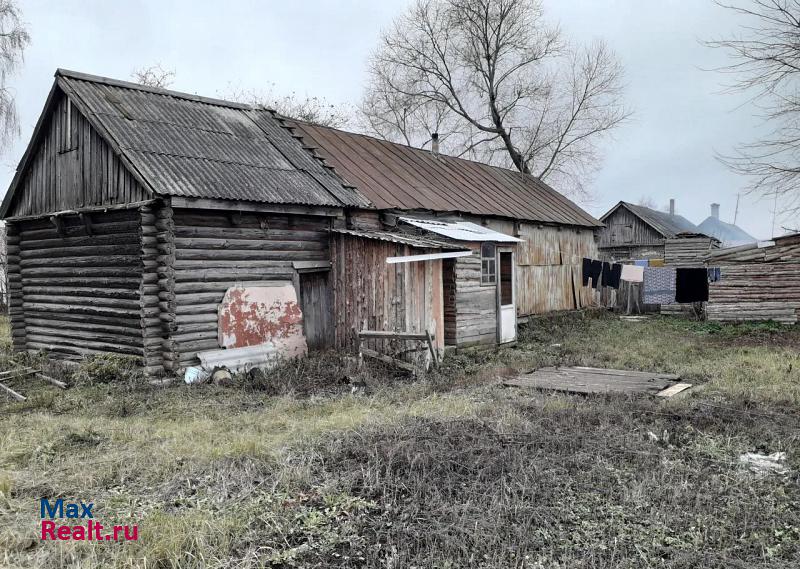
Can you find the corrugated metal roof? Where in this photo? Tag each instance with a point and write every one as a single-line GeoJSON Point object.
{"type": "Point", "coordinates": [395, 176]}
{"type": "Point", "coordinates": [184, 145]}
{"type": "Point", "coordinates": [461, 230]}
{"type": "Point", "coordinates": [404, 239]}
{"type": "Point", "coordinates": [667, 225]}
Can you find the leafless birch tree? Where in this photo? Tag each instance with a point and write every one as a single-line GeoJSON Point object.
{"type": "Point", "coordinates": [14, 39]}
{"type": "Point", "coordinates": [498, 84]}
{"type": "Point", "coordinates": [765, 63]}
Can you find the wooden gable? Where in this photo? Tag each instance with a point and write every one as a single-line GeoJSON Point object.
{"type": "Point", "coordinates": [70, 166]}
{"type": "Point", "coordinates": [624, 228]}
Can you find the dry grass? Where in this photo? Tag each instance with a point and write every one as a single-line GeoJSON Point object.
{"type": "Point", "coordinates": [293, 471]}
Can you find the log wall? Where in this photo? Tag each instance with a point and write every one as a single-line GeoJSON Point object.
{"type": "Point", "coordinates": [205, 252]}
{"type": "Point", "coordinates": [688, 251]}
{"type": "Point", "coordinates": [369, 293]}
{"type": "Point", "coordinates": [77, 284]}
{"type": "Point", "coordinates": [757, 283]}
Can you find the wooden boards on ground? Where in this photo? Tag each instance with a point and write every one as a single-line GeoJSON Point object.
{"type": "Point", "coordinates": [587, 380]}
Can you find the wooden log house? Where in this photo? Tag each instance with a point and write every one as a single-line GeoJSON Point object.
{"type": "Point", "coordinates": [134, 209]}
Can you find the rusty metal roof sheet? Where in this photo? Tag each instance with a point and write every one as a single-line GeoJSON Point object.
{"type": "Point", "coordinates": [185, 145]}
{"type": "Point", "coordinates": [402, 238]}
{"type": "Point", "coordinates": [395, 176]}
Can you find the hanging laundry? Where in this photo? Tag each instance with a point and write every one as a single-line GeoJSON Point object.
{"type": "Point", "coordinates": [591, 270]}
{"type": "Point", "coordinates": [691, 285]}
{"type": "Point", "coordinates": [640, 263]}
{"type": "Point", "coordinates": [632, 273]}
{"type": "Point", "coordinates": [611, 274]}
{"type": "Point", "coordinates": [713, 274]}
{"type": "Point", "coordinates": [659, 285]}
{"type": "Point", "coordinates": [656, 263]}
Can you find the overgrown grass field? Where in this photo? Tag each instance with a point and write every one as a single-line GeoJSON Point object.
{"type": "Point", "coordinates": [293, 470]}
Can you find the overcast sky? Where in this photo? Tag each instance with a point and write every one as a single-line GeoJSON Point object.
{"type": "Point", "coordinates": [320, 47]}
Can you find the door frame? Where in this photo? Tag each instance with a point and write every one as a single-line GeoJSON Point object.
{"type": "Point", "coordinates": [499, 311]}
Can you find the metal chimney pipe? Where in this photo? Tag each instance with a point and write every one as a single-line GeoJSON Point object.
{"type": "Point", "coordinates": [715, 210]}
{"type": "Point", "coordinates": [435, 143]}
{"type": "Point", "coordinates": [672, 206]}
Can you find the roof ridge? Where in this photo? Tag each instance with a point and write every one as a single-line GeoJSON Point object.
{"type": "Point", "coordinates": [60, 72]}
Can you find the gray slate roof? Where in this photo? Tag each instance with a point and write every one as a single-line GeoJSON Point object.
{"type": "Point", "coordinates": [190, 146]}
{"type": "Point", "coordinates": [730, 235]}
{"type": "Point", "coordinates": [667, 225]}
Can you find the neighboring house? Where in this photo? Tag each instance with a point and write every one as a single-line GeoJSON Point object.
{"type": "Point", "coordinates": [637, 232]}
{"type": "Point", "coordinates": [139, 219]}
{"type": "Point", "coordinates": [728, 234]}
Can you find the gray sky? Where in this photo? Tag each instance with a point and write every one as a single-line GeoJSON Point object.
{"type": "Point", "coordinates": [320, 47]}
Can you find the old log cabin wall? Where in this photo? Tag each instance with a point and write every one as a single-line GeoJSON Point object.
{"type": "Point", "coordinates": [688, 251]}
{"type": "Point", "coordinates": [757, 283]}
{"type": "Point", "coordinates": [470, 308]}
{"type": "Point", "coordinates": [75, 279]}
{"type": "Point", "coordinates": [369, 293]}
{"type": "Point", "coordinates": [212, 251]}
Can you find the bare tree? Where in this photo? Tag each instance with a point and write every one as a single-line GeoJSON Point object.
{"type": "Point", "coordinates": [14, 39]}
{"type": "Point", "coordinates": [154, 76]}
{"type": "Point", "coordinates": [505, 87]}
{"type": "Point", "coordinates": [316, 110]}
{"type": "Point", "coordinates": [765, 63]}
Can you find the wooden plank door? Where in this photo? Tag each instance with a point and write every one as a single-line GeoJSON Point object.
{"type": "Point", "coordinates": [315, 302]}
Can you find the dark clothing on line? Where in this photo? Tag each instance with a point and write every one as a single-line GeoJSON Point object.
{"type": "Point", "coordinates": [591, 270]}
{"type": "Point", "coordinates": [611, 274]}
{"type": "Point", "coordinates": [691, 285]}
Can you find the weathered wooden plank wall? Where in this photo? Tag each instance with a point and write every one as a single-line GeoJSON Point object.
{"type": "Point", "coordinates": [623, 228]}
{"type": "Point", "coordinates": [369, 293]}
{"type": "Point", "coordinates": [79, 281]}
{"type": "Point", "coordinates": [549, 268]}
{"type": "Point", "coordinates": [74, 170]}
{"type": "Point", "coordinates": [214, 250]}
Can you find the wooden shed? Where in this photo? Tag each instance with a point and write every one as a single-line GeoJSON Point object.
{"type": "Point", "coordinates": [140, 218]}
{"type": "Point", "coordinates": [634, 232]}
{"type": "Point", "coordinates": [758, 281]}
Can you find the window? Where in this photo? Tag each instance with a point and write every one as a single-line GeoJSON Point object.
{"type": "Point", "coordinates": [488, 264]}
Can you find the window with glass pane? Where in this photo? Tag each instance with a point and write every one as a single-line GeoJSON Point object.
{"type": "Point", "coordinates": [488, 264]}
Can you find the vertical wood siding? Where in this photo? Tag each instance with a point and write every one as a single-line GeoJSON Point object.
{"type": "Point", "coordinates": [370, 293]}
{"type": "Point", "coordinates": [623, 228]}
{"type": "Point", "coordinates": [69, 172]}
{"type": "Point", "coordinates": [215, 250]}
{"type": "Point", "coordinates": [549, 268]}
{"type": "Point", "coordinates": [80, 289]}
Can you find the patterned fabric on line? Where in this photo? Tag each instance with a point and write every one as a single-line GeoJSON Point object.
{"type": "Point", "coordinates": [659, 285]}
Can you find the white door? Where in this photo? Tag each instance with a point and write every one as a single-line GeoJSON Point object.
{"type": "Point", "coordinates": [507, 320]}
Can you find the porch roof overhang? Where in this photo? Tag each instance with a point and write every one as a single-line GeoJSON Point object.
{"type": "Point", "coordinates": [460, 230]}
